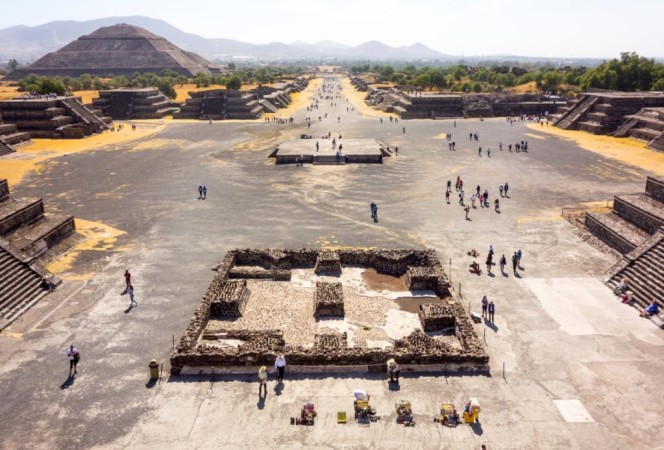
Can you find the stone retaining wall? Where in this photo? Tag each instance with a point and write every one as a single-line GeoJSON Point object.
{"type": "Point", "coordinates": [261, 348]}
{"type": "Point", "coordinates": [435, 317]}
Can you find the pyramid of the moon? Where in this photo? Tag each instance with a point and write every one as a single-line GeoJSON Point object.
{"type": "Point", "coordinates": [117, 50]}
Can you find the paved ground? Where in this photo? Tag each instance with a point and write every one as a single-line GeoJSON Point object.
{"type": "Point", "coordinates": [568, 349]}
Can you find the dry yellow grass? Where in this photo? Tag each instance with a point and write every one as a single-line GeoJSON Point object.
{"type": "Point", "coordinates": [626, 150]}
{"type": "Point", "coordinates": [524, 88]}
{"type": "Point", "coordinates": [32, 156]}
{"type": "Point", "coordinates": [7, 91]}
{"type": "Point", "coordinates": [86, 96]}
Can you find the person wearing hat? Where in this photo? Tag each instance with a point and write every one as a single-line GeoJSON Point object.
{"type": "Point", "coordinates": [393, 370]}
{"type": "Point", "coordinates": [280, 365]}
{"type": "Point", "coordinates": [262, 379]}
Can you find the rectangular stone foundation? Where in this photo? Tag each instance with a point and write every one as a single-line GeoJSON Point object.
{"type": "Point", "coordinates": [329, 300]}
{"type": "Point", "coordinates": [198, 348]}
{"type": "Point", "coordinates": [436, 317]}
{"type": "Point", "coordinates": [230, 299]}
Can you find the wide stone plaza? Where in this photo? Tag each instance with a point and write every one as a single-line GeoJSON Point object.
{"type": "Point", "coordinates": [570, 366]}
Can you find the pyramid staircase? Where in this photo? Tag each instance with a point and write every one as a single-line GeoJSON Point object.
{"type": "Point", "coordinates": [9, 136]}
{"type": "Point", "coordinates": [568, 120]}
{"type": "Point", "coordinates": [25, 234]}
{"type": "Point", "coordinates": [635, 228]}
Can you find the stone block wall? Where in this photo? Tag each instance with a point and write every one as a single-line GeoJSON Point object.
{"type": "Point", "coordinates": [607, 235]}
{"type": "Point", "coordinates": [328, 300]}
{"type": "Point", "coordinates": [26, 215]}
{"type": "Point", "coordinates": [328, 263]}
{"type": "Point", "coordinates": [654, 188]}
{"type": "Point", "coordinates": [230, 299]}
{"type": "Point", "coordinates": [436, 317]}
{"type": "Point", "coordinates": [4, 190]}
{"type": "Point", "coordinates": [637, 216]}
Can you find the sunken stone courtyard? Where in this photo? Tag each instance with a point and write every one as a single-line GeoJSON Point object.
{"type": "Point", "coordinates": [332, 317]}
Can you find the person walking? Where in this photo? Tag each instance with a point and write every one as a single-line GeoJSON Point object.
{"type": "Point", "coordinates": [449, 185]}
{"type": "Point", "coordinates": [505, 188]}
{"type": "Point", "coordinates": [204, 192]}
{"type": "Point", "coordinates": [461, 198]}
{"type": "Point", "coordinates": [130, 291]}
{"type": "Point", "coordinates": [127, 276]}
{"type": "Point", "coordinates": [374, 211]}
{"type": "Point", "coordinates": [200, 192]}
{"type": "Point", "coordinates": [404, 130]}
{"type": "Point", "coordinates": [492, 311]}
{"type": "Point", "coordinates": [514, 262]}
{"type": "Point", "coordinates": [500, 188]}
{"type": "Point", "coordinates": [489, 263]}
{"type": "Point", "coordinates": [519, 254]}
{"type": "Point", "coordinates": [467, 210]}
{"type": "Point", "coordinates": [503, 263]}
{"type": "Point", "coordinates": [447, 196]}
{"type": "Point", "coordinates": [74, 357]}
{"type": "Point", "coordinates": [485, 305]}
{"type": "Point", "coordinates": [480, 151]}
{"type": "Point", "coordinates": [280, 365]}
{"type": "Point", "coordinates": [262, 380]}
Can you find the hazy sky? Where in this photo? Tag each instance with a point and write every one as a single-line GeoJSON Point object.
{"type": "Point", "coordinates": [592, 28]}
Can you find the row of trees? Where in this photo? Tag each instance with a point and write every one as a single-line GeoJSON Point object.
{"type": "Point", "coordinates": [630, 72]}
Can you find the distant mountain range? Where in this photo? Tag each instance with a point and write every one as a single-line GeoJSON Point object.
{"type": "Point", "coordinates": [30, 43]}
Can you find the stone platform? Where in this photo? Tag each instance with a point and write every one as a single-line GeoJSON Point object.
{"type": "Point", "coordinates": [292, 316]}
{"type": "Point", "coordinates": [353, 151]}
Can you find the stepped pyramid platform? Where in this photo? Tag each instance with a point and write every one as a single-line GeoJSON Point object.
{"type": "Point", "coordinates": [26, 233]}
{"type": "Point", "coordinates": [431, 106]}
{"type": "Point", "coordinates": [219, 104]}
{"type": "Point", "coordinates": [10, 137]}
{"type": "Point", "coordinates": [646, 125]}
{"type": "Point", "coordinates": [367, 151]}
{"type": "Point", "coordinates": [51, 117]}
{"type": "Point", "coordinates": [635, 228]}
{"type": "Point", "coordinates": [117, 50]}
{"type": "Point", "coordinates": [604, 112]}
{"type": "Point", "coordinates": [126, 104]}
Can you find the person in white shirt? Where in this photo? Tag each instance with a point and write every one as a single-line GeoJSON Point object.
{"type": "Point", "coordinates": [74, 357]}
{"type": "Point", "coordinates": [280, 365]}
{"type": "Point", "coordinates": [262, 379]}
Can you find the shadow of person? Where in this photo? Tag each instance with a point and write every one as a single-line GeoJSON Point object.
{"type": "Point", "coordinates": [491, 325]}
{"type": "Point", "coordinates": [477, 428]}
{"type": "Point", "coordinates": [393, 386]}
{"type": "Point", "coordinates": [68, 383]}
{"type": "Point", "coordinates": [279, 387]}
{"type": "Point", "coordinates": [517, 274]}
{"type": "Point", "coordinates": [151, 383]}
{"type": "Point", "coordinates": [261, 401]}
{"type": "Point", "coordinates": [491, 274]}
{"type": "Point", "coordinates": [128, 310]}
{"type": "Point", "coordinates": [498, 211]}
{"type": "Point", "coordinates": [506, 275]}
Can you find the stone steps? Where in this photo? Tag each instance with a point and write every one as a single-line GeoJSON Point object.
{"type": "Point", "coordinates": [20, 288]}
{"type": "Point", "coordinates": [5, 149]}
{"type": "Point", "coordinates": [625, 128]}
{"type": "Point", "coordinates": [658, 143]}
{"type": "Point", "coordinates": [615, 231]}
{"type": "Point", "coordinates": [42, 234]}
{"type": "Point", "coordinates": [569, 119]}
{"type": "Point", "coordinates": [645, 275]}
{"type": "Point", "coordinates": [642, 210]}
{"type": "Point", "coordinates": [16, 213]}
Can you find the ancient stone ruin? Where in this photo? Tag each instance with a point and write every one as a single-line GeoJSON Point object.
{"type": "Point", "coordinates": [127, 104]}
{"type": "Point", "coordinates": [219, 104]}
{"type": "Point", "coordinates": [117, 50]}
{"type": "Point", "coordinates": [217, 338]}
{"type": "Point", "coordinates": [329, 300]}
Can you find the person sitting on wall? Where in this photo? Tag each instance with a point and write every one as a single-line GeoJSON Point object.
{"type": "Point", "coordinates": [651, 310]}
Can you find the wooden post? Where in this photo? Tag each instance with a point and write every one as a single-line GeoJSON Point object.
{"type": "Point", "coordinates": [173, 341]}
{"type": "Point", "coordinates": [450, 270]}
{"type": "Point", "coordinates": [485, 335]}
{"type": "Point", "coordinates": [460, 290]}
{"type": "Point", "coordinates": [503, 370]}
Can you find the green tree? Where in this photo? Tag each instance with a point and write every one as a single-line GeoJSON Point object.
{"type": "Point", "coordinates": [234, 82]}
{"type": "Point", "coordinates": [52, 85]}
{"type": "Point", "coordinates": [477, 87]}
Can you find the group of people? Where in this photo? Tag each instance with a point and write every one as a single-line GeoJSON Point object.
{"type": "Point", "coordinates": [622, 290]}
{"type": "Point", "coordinates": [483, 197]}
{"type": "Point", "coordinates": [474, 266]}
{"type": "Point", "coordinates": [202, 192]}
{"type": "Point", "coordinates": [488, 309]}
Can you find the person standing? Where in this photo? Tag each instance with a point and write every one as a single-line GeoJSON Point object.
{"type": "Point", "coordinates": [519, 254]}
{"type": "Point", "coordinates": [200, 192]}
{"type": "Point", "coordinates": [506, 187]}
{"type": "Point", "coordinates": [449, 185]}
{"type": "Point", "coordinates": [280, 365]}
{"type": "Point", "coordinates": [262, 380]}
{"type": "Point", "coordinates": [489, 263]}
{"type": "Point", "coordinates": [501, 190]}
{"type": "Point", "coordinates": [127, 276]}
{"type": "Point", "coordinates": [492, 310]}
{"type": "Point", "coordinates": [447, 196]}
{"type": "Point", "coordinates": [485, 305]}
{"type": "Point", "coordinates": [503, 263]}
{"type": "Point", "coordinates": [467, 210]}
{"type": "Point", "coordinates": [204, 192]}
{"type": "Point", "coordinates": [74, 357]}
{"type": "Point", "coordinates": [514, 262]}
{"type": "Point", "coordinates": [393, 370]}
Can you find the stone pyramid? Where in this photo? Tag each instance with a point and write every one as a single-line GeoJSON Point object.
{"type": "Point", "coordinates": [117, 50]}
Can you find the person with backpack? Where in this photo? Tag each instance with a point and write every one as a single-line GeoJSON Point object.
{"type": "Point", "coordinates": [74, 357]}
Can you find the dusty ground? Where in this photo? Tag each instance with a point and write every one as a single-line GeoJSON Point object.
{"type": "Point", "coordinates": [580, 369]}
